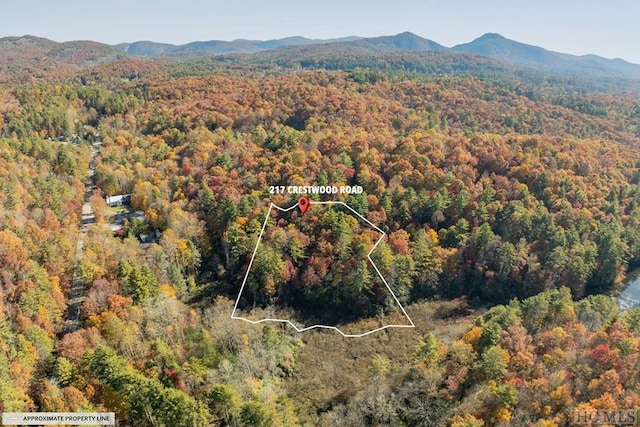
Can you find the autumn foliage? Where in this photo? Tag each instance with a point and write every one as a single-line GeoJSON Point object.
{"type": "Point", "coordinates": [508, 207]}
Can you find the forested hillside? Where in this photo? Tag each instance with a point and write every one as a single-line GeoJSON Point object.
{"type": "Point", "coordinates": [511, 191]}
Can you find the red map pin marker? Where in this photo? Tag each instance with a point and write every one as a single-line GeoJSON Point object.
{"type": "Point", "coordinates": [303, 204]}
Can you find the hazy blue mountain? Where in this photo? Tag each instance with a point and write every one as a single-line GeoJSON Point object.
{"type": "Point", "coordinates": [521, 54]}
{"type": "Point", "coordinates": [220, 47]}
{"type": "Point", "coordinates": [146, 48]}
{"type": "Point", "coordinates": [301, 41]}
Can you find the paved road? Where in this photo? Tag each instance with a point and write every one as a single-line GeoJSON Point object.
{"type": "Point", "coordinates": [77, 285]}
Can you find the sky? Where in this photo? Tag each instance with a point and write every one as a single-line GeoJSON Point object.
{"type": "Point", "coordinates": [608, 28]}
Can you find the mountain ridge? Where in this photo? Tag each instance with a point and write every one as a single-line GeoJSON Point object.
{"type": "Point", "coordinates": [40, 52]}
{"type": "Point", "coordinates": [300, 41]}
{"type": "Point", "coordinates": [492, 45]}
{"type": "Point", "coordinates": [222, 47]}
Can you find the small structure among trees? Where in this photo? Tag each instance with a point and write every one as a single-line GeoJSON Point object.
{"type": "Point", "coordinates": [119, 200]}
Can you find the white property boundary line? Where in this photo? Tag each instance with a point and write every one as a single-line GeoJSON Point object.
{"type": "Point", "coordinates": [382, 236]}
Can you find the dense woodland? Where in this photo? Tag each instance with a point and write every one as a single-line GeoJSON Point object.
{"type": "Point", "coordinates": [510, 205]}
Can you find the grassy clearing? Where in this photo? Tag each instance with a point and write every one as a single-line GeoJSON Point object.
{"type": "Point", "coordinates": [331, 368]}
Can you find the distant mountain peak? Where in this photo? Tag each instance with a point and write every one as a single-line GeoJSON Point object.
{"type": "Point", "coordinates": [520, 54]}
{"type": "Point", "coordinates": [406, 34]}
{"type": "Point", "coordinates": [496, 39]}
{"type": "Point", "coordinates": [490, 36]}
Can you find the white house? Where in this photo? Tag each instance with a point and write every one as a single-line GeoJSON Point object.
{"type": "Point", "coordinates": [119, 200]}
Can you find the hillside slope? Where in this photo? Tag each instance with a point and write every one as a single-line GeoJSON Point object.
{"type": "Point", "coordinates": [28, 57]}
